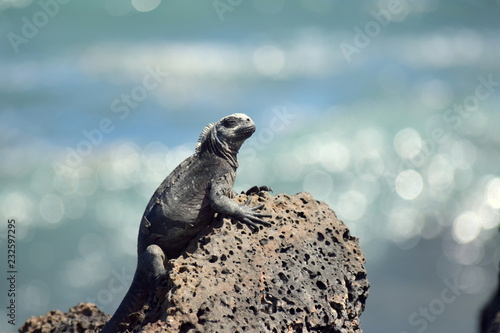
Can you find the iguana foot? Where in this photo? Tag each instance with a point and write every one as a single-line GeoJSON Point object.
{"type": "Point", "coordinates": [257, 189]}
{"type": "Point", "coordinates": [252, 218]}
{"type": "Point", "coordinates": [153, 263]}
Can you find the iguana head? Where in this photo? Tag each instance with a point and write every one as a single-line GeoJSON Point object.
{"type": "Point", "coordinates": [226, 136]}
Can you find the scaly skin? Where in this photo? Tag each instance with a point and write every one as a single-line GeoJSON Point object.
{"type": "Point", "coordinates": [184, 204]}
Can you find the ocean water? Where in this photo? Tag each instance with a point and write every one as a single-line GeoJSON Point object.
{"type": "Point", "coordinates": [386, 110]}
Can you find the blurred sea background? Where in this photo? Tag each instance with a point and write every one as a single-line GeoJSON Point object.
{"type": "Point", "coordinates": [386, 110]}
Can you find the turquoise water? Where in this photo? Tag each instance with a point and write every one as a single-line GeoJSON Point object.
{"type": "Point", "coordinates": [387, 111]}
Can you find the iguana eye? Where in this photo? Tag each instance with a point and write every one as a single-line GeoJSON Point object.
{"type": "Point", "coordinates": [230, 122]}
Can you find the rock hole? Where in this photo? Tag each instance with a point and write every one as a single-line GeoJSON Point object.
{"type": "Point", "coordinates": [200, 314]}
{"type": "Point", "coordinates": [284, 249]}
{"type": "Point", "coordinates": [283, 277]}
{"type": "Point", "coordinates": [186, 327]}
{"type": "Point", "coordinates": [336, 306]}
{"type": "Point", "coordinates": [321, 285]}
{"type": "Point", "coordinates": [213, 259]}
{"type": "Point", "coordinates": [321, 237]}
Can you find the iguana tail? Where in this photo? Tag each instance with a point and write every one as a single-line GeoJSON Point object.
{"type": "Point", "coordinates": [134, 300]}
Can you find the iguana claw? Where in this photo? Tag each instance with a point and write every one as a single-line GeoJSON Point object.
{"type": "Point", "coordinates": [257, 189]}
{"type": "Point", "coordinates": [252, 218]}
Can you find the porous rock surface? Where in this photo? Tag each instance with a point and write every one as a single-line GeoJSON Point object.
{"type": "Point", "coordinates": [303, 274]}
{"type": "Point", "coordinates": [79, 319]}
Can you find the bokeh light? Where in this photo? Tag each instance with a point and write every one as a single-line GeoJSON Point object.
{"type": "Point", "coordinates": [118, 7]}
{"type": "Point", "coordinates": [14, 3]}
{"type": "Point", "coordinates": [335, 156]}
{"type": "Point", "coordinates": [17, 204]}
{"type": "Point", "coordinates": [51, 208]}
{"type": "Point", "coordinates": [320, 183]}
{"type": "Point", "coordinates": [269, 60]}
{"type": "Point", "coordinates": [409, 184]}
{"type": "Point", "coordinates": [473, 279]}
{"type": "Point", "coordinates": [352, 205]}
{"type": "Point", "coordinates": [35, 295]}
{"type": "Point", "coordinates": [145, 5]}
{"type": "Point", "coordinates": [436, 94]}
{"type": "Point", "coordinates": [405, 223]}
{"type": "Point", "coordinates": [493, 193]}
{"type": "Point", "coordinates": [466, 227]}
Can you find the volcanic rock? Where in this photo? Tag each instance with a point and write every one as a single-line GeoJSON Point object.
{"type": "Point", "coordinates": [83, 318]}
{"type": "Point", "coordinates": [305, 273]}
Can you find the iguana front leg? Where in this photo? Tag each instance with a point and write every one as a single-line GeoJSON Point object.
{"type": "Point", "coordinates": [243, 213]}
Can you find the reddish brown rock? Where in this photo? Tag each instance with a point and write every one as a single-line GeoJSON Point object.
{"type": "Point", "coordinates": [81, 318]}
{"type": "Point", "coordinates": [303, 274]}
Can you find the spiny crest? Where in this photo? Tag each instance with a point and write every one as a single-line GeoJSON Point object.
{"type": "Point", "coordinates": [204, 135]}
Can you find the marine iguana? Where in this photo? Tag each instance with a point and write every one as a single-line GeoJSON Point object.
{"type": "Point", "coordinates": [185, 203]}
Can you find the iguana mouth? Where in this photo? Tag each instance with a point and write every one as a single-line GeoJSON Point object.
{"type": "Point", "coordinates": [246, 131]}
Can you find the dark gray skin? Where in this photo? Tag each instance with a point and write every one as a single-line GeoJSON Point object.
{"type": "Point", "coordinates": [185, 203]}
